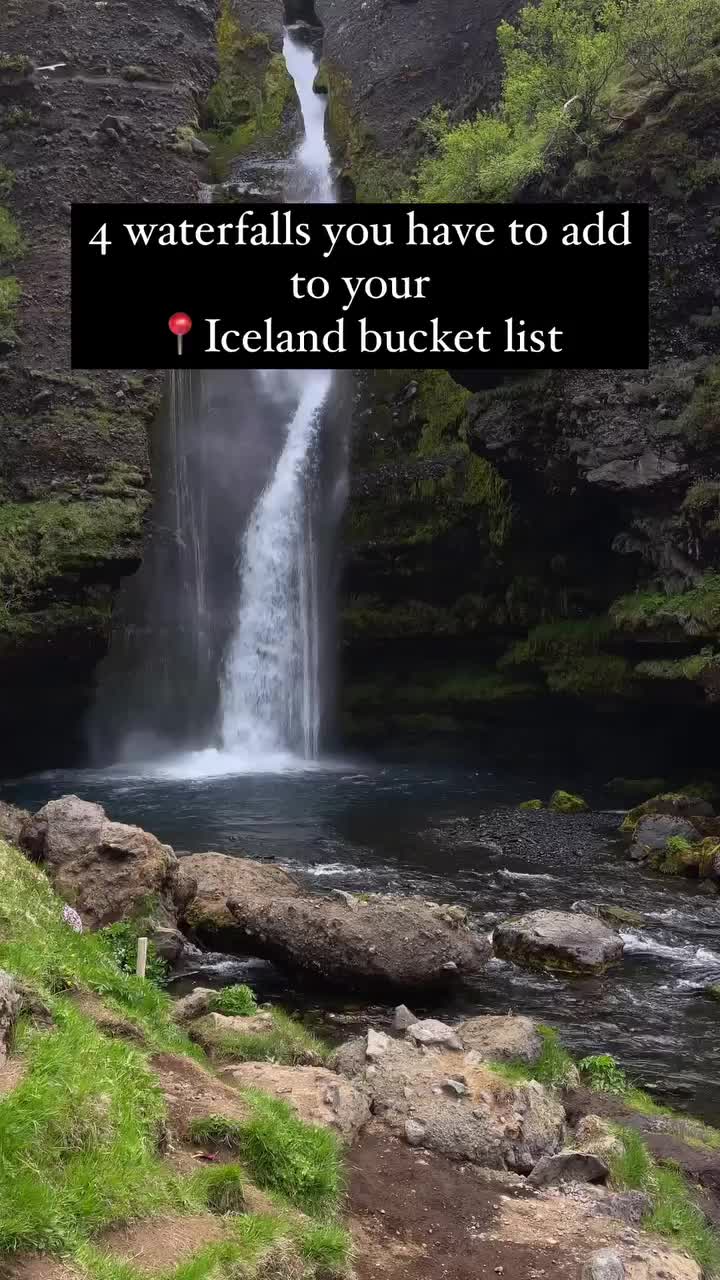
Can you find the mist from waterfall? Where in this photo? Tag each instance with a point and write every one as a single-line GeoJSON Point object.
{"type": "Point", "coordinates": [222, 660]}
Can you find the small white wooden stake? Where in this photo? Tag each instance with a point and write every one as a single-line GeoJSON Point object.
{"type": "Point", "coordinates": [141, 957]}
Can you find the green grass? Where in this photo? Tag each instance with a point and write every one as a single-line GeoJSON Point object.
{"type": "Point", "coordinates": [327, 1246]}
{"type": "Point", "coordinates": [554, 1067]}
{"type": "Point", "coordinates": [286, 1042]}
{"type": "Point", "coordinates": [222, 1188]}
{"type": "Point", "coordinates": [9, 298]}
{"type": "Point", "coordinates": [78, 1147]}
{"type": "Point", "coordinates": [299, 1161]}
{"type": "Point", "coordinates": [674, 1214]}
{"type": "Point", "coordinates": [235, 1001]}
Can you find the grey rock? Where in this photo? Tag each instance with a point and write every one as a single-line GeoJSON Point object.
{"type": "Point", "coordinates": [606, 1264]}
{"type": "Point", "coordinates": [403, 1018]}
{"type": "Point", "coordinates": [432, 1032]}
{"type": "Point", "coordinates": [10, 1001]}
{"type": "Point", "coordinates": [199, 147]}
{"type": "Point", "coordinates": [194, 1005]}
{"type": "Point", "coordinates": [377, 1044]}
{"type": "Point", "coordinates": [563, 940]}
{"type": "Point", "coordinates": [414, 1133]}
{"type": "Point", "coordinates": [569, 1166]}
{"type": "Point", "coordinates": [654, 831]}
{"type": "Point", "coordinates": [12, 821]}
{"type": "Point", "coordinates": [498, 1038]}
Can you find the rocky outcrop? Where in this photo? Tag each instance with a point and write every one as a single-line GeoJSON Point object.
{"type": "Point", "coordinates": [319, 1096]}
{"type": "Point", "coordinates": [570, 942]}
{"type": "Point", "coordinates": [378, 942]}
{"type": "Point", "coordinates": [387, 65]}
{"type": "Point", "coordinates": [218, 877]}
{"type": "Point", "coordinates": [513, 1038]}
{"type": "Point", "coordinates": [569, 1166]}
{"type": "Point", "coordinates": [108, 870]}
{"type": "Point", "coordinates": [448, 1103]}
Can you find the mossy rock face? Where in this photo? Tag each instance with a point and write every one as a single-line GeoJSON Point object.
{"type": "Point", "coordinates": [249, 100]}
{"type": "Point", "coordinates": [566, 802]}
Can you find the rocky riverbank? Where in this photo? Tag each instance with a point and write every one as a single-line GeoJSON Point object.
{"type": "Point", "coordinates": [520, 1158]}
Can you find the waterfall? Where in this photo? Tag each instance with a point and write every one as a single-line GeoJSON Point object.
{"type": "Point", "coordinates": [221, 645]}
{"type": "Point", "coordinates": [271, 700]}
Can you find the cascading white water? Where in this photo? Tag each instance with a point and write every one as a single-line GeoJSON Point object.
{"type": "Point", "coordinates": [271, 701]}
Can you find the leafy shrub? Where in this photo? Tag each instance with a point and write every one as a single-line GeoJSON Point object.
{"type": "Point", "coordinates": [600, 1071]}
{"type": "Point", "coordinates": [664, 41]}
{"type": "Point", "coordinates": [121, 940]}
{"type": "Point", "coordinates": [236, 1001]}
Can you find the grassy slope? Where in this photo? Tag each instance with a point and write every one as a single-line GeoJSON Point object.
{"type": "Point", "coordinates": [79, 1135]}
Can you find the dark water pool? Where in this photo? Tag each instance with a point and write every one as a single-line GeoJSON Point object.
{"type": "Point", "coordinates": [450, 831]}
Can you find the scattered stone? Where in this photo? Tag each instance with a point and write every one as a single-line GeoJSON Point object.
{"type": "Point", "coordinates": [403, 1018]}
{"type": "Point", "coordinates": [377, 1043]}
{"type": "Point", "coordinates": [199, 147]}
{"type": "Point", "coordinates": [569, 1166]}
{"type": "Point", "coordinates": [388, 942]}
{"type": "Point", "coordinates": [432, 1032]}
{"type": "Point", "coordinates": [605, 1264]}
{"type": "Point", "coordinates": [456, 1087]}
{"type": "Point", "coordinates": [612, 914]}
{"type": "Point", "coordinates": [560, 940]}
{"type": "Point", "coordinates": [414, 1133]}
{"type": "Point", "coordinates": [499, 1038]}
{"type": "Point", "coordinates": [319, 1096]}
{"type": "Point", "coordinates": [195, 1005]}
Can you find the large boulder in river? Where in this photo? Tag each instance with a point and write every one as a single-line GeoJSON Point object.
{"type": "Point", "coordinates": [387, 942]}
{"type": "Point", "coordinates": [653, 832]}
{"type": "Point", "coordinates": [217, 877]}
{"type": "Point", "coordinates": [448, 1102]}
{"type": "Point", "coordinates": [562, 940]}
{"type": "Point", "coordinates": [108, 870]}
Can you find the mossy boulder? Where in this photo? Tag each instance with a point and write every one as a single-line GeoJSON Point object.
{"type": "Point", "coordinates": [670, 802]}
{"type": "Point", "coordinates": [713, 991]}
{"type": "Point", "coordinates": [566, 802]}
{"type": "Point", "coordinates": [682, 857]}
{"type": "Point", "coordinates": [531, 804]}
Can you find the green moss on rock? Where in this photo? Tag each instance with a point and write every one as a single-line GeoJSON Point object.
{"type": "Point", "coordinates": [695, 611]}
{"type": "Point", "coordinates": [375, 178]}
{"type": "Point", "coordinates": [566, 802]}
{"type": "Point", "coordinates": [531, 804]}
{"type": "Point", "coordinates": [249, 98]}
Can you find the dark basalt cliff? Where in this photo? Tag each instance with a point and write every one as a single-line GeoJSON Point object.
{"type": "Point", "coordinates": [549, 546]}
{"type": "Point", "coordinates": [97, 102]}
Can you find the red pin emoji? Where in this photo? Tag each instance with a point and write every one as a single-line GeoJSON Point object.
{"type": "Point", "coordinates": [180, 324]}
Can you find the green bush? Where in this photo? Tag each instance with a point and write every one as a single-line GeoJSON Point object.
{"type": "Point", "coordinates": [600, 1071]}
{"type": "Point", "coordinates": [664, 41]}
{"type": "Point", "coordinates": [121, 940]}
{"type": "Point", "coordinates": [236, 1001]}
